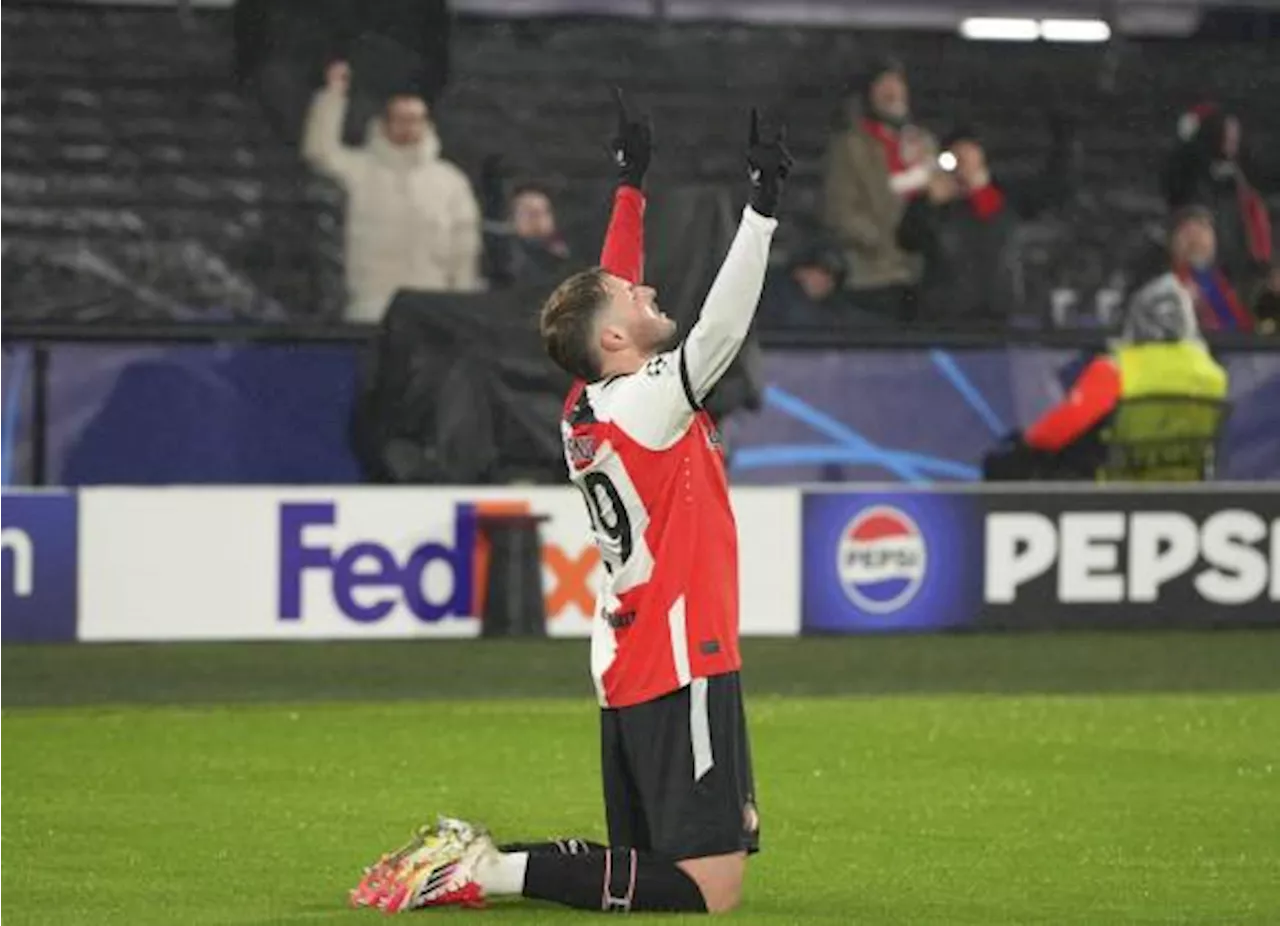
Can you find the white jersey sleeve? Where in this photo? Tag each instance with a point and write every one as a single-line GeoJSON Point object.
{"type": "Point", "coordinates": [654, 406]}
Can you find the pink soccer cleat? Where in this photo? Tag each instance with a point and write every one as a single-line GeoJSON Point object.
{"type": "Point", "coordinates": [429, 846]}
{"type": "Point", "coordinates": [446, 878]}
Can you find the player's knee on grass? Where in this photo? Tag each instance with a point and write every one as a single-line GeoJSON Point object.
{"type": "Point", "coordinates": [719, 878]}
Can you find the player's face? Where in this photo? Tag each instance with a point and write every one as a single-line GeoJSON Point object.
{"type": "Point", "coordinates": [634, 317]}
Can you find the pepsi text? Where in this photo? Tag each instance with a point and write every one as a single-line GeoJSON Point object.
{"type": "Point", "coordinates": [1102, 557]}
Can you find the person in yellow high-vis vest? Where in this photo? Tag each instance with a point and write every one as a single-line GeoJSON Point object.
{"type": "Point", "coordinates": [1159, 353]}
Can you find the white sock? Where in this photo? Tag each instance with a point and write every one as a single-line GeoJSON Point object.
{"type": "Point", "coordinates": [502, 873]}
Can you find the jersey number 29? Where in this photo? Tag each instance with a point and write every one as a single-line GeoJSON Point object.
{"type": "Point", "coordinates": [608, 515]}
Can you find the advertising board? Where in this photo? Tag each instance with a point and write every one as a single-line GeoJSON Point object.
{"type": "Point", "coordinates": [39, 566]}
{"type": "Point", "coordinates": [230, 564]}
{"type": "Point", "coordinates": [907, 561]}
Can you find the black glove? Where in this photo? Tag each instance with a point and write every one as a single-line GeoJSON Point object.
{"type": "Point", "coordinates": [632, 145]}
{"type": "Point", "coordinates": [768, 164]}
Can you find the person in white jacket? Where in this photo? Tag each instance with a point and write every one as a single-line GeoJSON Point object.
{"type": "Point", "coordinates": [412, 219]}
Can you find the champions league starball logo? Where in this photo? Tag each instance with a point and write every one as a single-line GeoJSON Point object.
{"type": "Point", "coordinates": [881, 559]}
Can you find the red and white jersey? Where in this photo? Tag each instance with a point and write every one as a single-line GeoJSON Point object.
{"type": "Point", "coordinates": [648, 461]}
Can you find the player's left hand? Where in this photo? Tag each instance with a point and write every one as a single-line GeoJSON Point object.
{"type": "Point", "coordinates": [632, 144]}
{"type": "Point", "coordinates": [768, 165]}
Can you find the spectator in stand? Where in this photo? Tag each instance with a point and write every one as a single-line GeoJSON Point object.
{"type": "Point", "coordinates": [873, 169]}
{"type": "Point", "coordinates": [412, 220]}
{"type": "Point", "coordinates": [1193, 259]}
{"type": "Point", "coordinates": [808, 293]}
{"type": "Point", "coordinates": [1189, 251]}
{"type": "Point", "coordinates": [1205, 170]}
{"type": "Point", "coordinates": [526, 247]}
{"type": "Point", "coordinates": [964, 228]}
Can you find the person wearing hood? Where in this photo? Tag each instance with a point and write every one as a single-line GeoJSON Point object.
{"type": "Point", "coordinates": [874, 168]}
{"type": "Point", "coordinates": [1159, 353]}
{"type": "Point", "coordinates": [1205, 170]}
{"type": "Point", "coordinates": [412, 219]}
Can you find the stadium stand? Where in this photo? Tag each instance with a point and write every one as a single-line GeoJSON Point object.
{"type": "Point", "coordinates": [140, 183]}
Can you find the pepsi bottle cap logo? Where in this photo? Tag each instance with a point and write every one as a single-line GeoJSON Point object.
{"type": "Point", "coordinates": [881, 559]}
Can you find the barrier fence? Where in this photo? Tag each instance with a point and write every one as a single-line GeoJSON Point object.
{"type": "Point", "coordinates": [267, 404]}
{"type": "Point", "coordinates": [239, 402]}
{"type": "Point", "coordinates": [294, 563]}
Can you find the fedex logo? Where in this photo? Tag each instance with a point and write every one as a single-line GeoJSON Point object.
{"type": "Point", "coordinates": [369, 565]}
{"type": "Point", "coordinates": [22, 557]}
{"type": "Point", "coordinates": [367, 580]}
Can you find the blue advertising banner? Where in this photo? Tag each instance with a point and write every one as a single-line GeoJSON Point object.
{"type": "Point", "coordinates": [136, 414]}
{"type": "Point", "coordinates": [890, 561]}
{"type": "Point", "coordinates": [991, 559]}
{"type": "Point", "coordinates": [40, 566]}
{"type": "Point", "coordinates": [927, 416]}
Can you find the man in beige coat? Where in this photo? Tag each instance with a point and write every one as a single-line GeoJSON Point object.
{"type": "Point", "coordinates": [412, 219]}
{"type": "Point", "coordinates": [873, 169]}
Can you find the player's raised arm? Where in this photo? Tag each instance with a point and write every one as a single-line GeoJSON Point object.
{"type": "Point", "coordinates": [632, 146]}
{"type": "Point", "coordinates": [731, 304]}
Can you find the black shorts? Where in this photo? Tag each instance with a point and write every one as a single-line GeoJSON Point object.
{"type": "Point", "coordinates": [677, 772]}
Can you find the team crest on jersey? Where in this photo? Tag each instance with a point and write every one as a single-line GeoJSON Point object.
{"type": "Point", "coordinates": [581, 449]}
{"type": "Point", "coordinates": [657, 366]}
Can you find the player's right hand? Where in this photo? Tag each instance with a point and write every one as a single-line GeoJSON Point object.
{"type": "Point", "coordinates": [632, 144]}
{"type": "Point", "coordinates": [768, 165]}
{"type": "Point", "coordinates": [337, 76]}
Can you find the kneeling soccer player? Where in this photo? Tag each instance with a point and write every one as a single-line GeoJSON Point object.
{"type": "Point", "coordinates": [679, 795]}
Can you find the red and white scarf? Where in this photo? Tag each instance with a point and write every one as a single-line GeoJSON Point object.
{"type": "Point", "coordinates": [907, 180]}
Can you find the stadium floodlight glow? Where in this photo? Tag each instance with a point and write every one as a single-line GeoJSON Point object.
{"type": "Point", "coordinates": [1074, 30]}
{"type": "Point", "coordinates": [995, 29]}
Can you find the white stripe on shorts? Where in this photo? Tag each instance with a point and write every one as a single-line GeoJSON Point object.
{"type": "Point", "coordinates": [700, 728]}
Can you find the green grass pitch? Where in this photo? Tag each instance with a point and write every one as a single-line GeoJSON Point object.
{"type": "Point", "coordinates": [1091, 779]}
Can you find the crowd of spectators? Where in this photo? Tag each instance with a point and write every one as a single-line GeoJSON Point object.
{"type": "Point", "coordinates": [910, 229]}
{"type": "Point", "coordinates": [929, 231]}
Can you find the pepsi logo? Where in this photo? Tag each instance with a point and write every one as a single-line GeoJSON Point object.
{"type": "Point", "coordinates": [881, 559]}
